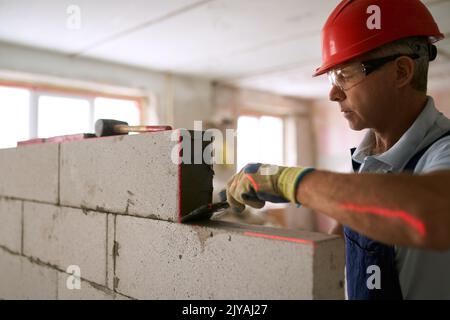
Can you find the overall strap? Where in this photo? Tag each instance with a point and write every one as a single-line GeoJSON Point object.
{"type": "Point", "coordinates": [355, 165]}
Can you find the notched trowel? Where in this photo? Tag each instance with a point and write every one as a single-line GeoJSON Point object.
{"type": "Point", "coordinates": [207, 211]}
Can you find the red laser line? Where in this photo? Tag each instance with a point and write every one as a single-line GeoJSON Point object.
{"type": "Point", "coordinates": [408, 218]}
{"type": "Point", "coordinates": [253, 182]}
{"type": "Point", "coordinates": [269, 236]}
{"type": "Point", "coordinates": [180, 140]}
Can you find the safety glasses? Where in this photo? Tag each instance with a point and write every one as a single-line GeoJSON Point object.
{"type": "Point", "coordinates": [353, 74]}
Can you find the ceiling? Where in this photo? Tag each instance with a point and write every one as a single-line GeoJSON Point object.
{"type": "Point", "coordinates": [270, 45]}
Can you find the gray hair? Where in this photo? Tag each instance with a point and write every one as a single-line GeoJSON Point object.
{"type": "Point", "coordinates": [411, 45]}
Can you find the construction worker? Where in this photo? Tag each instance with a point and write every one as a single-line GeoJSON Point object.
{"type": "Point", "coordinates": [395, 208]}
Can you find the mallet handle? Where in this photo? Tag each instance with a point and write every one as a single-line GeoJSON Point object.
{"type": "Point", "coordinates": [120, 128]}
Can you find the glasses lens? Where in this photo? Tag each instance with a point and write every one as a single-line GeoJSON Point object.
{"type": "Point", "coordinates": [346, 77]}
{"type": "Point", "coordinates": [332, 78]}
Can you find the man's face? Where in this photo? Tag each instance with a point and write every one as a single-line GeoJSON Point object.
{"type": "Point", "coordinates": [369, 103]}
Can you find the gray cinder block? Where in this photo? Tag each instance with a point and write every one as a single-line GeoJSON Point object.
{"type": "Point", "coordinates": [30, 172]}
{"type": "Point", "coordinates": [22, 279]}
{"type": "Point", "coordinates": [63, 237]}
{"type": "Point", "coordinates": [11, 224]}
{"type": "Point", "coordinates": [134, 175]}
{"type": "Point", "coordinates": [161, 260]}
{"type": "Point", "coordinates": [86, 291]}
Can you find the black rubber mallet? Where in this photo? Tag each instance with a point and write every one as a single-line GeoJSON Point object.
{"type": "Point", "coordinates": [110, 127]}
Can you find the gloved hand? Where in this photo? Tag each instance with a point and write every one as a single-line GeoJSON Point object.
{"type": "Point", "coordinates": [257, 183]}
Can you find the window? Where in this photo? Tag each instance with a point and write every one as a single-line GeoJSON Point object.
{"type": "Point", "coordinates": [28, 114]}
{"type": "Point", "coordinates": [59, 116]}
{"type": "Point", "coordinates": [14, 113]}
{"type": "Point", "coordinates": [260, 139]}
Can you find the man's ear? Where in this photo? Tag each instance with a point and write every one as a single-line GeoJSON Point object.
{"type": "Point", "coordinates": [405, 68]}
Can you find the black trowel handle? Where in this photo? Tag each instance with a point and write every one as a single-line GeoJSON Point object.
{"type": "Point", "coordinates": [205, 212]}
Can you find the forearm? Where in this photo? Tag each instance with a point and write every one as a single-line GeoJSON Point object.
{"type": "Point", "coordinates": [397, 209]}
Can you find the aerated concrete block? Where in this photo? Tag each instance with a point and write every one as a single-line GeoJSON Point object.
{"type": "Point", "coordinates": [112, 247]}
{"type": "Point", "coordinates": [22, 279]}
{"type": "Point", "coordinates": [11, 224]}
{"type": "Point", "coordinates": [161, 260]}
{"type": "Point", "coordinates": [63, 237]}
{"type": "Point", "coordinates": [30, 172]}
{"type": "Point", "coordinates": [86, 291]}
{"type": "Point", "coordinates": [136, 175]}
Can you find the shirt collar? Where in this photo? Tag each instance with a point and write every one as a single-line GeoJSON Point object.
{"type": "Point", "coordinates": [396, 157]}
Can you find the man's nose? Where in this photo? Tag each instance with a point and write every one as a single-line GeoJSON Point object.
{"type": "Point", "coordinates": [336, 94]}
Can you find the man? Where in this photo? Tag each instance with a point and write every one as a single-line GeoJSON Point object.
{"type": "Point", "coordinates": [396, 207]}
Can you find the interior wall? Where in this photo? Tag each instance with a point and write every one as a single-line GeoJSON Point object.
{"type": "Point", "coordinates": [442, 100]}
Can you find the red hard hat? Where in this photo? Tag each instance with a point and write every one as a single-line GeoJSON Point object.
{"type": "Point", "coordinates": [350, 32]}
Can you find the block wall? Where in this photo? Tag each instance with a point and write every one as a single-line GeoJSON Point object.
{"type": "Point", "coordinates": [99, 219]}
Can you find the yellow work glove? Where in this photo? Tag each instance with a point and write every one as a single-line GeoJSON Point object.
{"type": "Point", "coordinates": [257, 183]}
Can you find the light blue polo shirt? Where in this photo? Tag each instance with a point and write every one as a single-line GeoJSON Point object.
{"type": "Point", "coordinates": [423, 274]}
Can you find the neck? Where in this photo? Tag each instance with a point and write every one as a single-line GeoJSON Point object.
{"type": "Point", "coordinates": [406, 111]}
